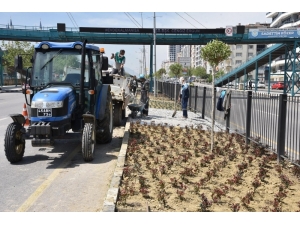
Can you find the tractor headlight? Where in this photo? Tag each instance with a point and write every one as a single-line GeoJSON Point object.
{"type": "Point", "coordinates": [45, 46]}
{"type": "Point", "coordinates": [78, 46]}
{"type": "Point", "coordinates": [54, 104]}
{"type": "Point", "coordinates": [35, 104]}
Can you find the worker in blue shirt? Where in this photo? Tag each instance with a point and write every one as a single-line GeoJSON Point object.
{"type": "Point", "coordinates": [184, 96]}
{"type": "Point", "coordinates": [119, 62]}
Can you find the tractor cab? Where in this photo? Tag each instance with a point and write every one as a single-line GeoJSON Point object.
{"type": "Point", "coordinates": [66, 92]}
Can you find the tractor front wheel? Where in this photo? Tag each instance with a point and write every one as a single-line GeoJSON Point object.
{"type": "Point", "coordinates": [14, 143]}
{"type": "Point", "coordinates": [88, 142]}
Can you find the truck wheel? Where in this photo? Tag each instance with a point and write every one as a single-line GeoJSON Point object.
{"type": "Point", "coordinates": [123, 113]}
{"type": "Point", "coordinates": [106, 124]}
{"type": "Point", "coordinates": [14, 143]}
{"type": "Point", "coordinates": [88, 142]}
{"type": "Point", "coordinates": [118, 114]}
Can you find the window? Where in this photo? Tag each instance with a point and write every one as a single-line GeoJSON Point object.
{"type": "Point", "coordinates": [238, 54]}
{"type": "Point", "coordinates": [250, 46]}
{"type": "Point", "coordinates": [239, 46]}
{"type": "Point", "coordinates": [250, 54]}
{"type": "Point", "coordinates": [238, 62]}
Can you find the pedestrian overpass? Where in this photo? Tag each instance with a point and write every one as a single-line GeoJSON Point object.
{"type": "Point", "coordinates": [284, 43]}
{"type": "Point", "coordinates": [291, 67]}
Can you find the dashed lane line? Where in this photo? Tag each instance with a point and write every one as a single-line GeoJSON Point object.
{"type": "Point", "coordinates": [41, 189]}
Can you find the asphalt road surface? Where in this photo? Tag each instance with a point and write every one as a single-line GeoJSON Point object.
{"type": "Point", "coordinates": [54, 179]}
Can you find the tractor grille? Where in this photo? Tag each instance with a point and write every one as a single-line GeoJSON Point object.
{"type": "Point", "coordinates": [56, 112]}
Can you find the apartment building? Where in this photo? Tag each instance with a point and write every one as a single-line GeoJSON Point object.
{"type": "Point", "coordinates": [172, 52]}
{"type": "Point", "coordinates": [282, 20]}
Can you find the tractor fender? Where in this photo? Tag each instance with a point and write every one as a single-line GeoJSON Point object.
{"type": "Point", "coordinates": [18, 118]}
{"type": "Point", "coordinates": [101, 100]}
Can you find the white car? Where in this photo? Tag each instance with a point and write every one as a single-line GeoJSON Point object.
{"type": "Point", "coordinates": [259, 85]}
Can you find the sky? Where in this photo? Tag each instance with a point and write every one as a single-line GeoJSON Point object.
{"type": "Point", "coordinates": [79, 15]}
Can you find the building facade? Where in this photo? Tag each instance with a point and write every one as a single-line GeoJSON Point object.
{"type": "Point", "coordinates": [172, 52]}
{"type": "Point", "coordinates": [282, 20]}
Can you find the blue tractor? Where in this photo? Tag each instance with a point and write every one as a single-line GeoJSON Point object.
{"type": "Point", "coordinates": [66, 93]}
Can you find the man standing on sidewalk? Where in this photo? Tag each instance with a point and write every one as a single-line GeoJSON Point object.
{"type": "Point", "coordinates": [145, 87]}
{"type": "Point", "coordinates": [133, 85]}
{"type": "Point", "coordinates": [250, 85]}
{"type": "Point", "coordinates": [184, 96]}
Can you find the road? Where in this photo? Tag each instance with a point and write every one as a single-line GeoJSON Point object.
{"type": "Point", "coordinates": [54, 179]}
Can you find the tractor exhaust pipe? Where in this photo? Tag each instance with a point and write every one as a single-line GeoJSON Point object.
{"type": "Point", "coordinates": [81, 94]}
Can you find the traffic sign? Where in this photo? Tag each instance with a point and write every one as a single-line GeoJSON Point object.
{"type": "Point", "coordinates": [228, 30]}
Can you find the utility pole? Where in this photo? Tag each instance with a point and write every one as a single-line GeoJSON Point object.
{"type": "Point", "coordinates": [154, 53]}
{"type": "Point", "coordinates": [144, 71]}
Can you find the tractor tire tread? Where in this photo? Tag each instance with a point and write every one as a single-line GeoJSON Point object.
{"type": "Point", "coordinates": [10, 143]}
{"type": "Point", "coordinates": [87, 151]}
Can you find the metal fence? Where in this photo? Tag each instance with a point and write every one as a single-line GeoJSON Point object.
{"type": "Point", "coordinates": [272, 120]}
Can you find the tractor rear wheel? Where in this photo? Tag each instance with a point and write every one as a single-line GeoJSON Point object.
{"type": "Point", "coordinates": [88, 142]}
{"type": "Point", "coordinates": [106, 124]}
{"type": "Point", "coordinates": [14, 143]}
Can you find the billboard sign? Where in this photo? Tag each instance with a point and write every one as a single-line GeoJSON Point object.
{"type": "Point", "coordinates": [185, 61]}
{"type": "Point", "coordinates": [274, 33]}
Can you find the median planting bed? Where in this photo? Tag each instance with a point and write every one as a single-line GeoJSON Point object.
{"type": "Point", "coordinates": [172, 169]}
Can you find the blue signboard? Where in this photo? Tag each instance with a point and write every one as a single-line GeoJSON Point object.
{"type": "Point", "coordinates": [274, 33]}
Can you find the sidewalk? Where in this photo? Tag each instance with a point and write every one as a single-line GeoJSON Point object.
{"type": "Point", "coordinates": [10, 88]}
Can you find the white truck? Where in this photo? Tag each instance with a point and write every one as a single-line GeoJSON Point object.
{"type": "Point", "coordinates": [120, 92]}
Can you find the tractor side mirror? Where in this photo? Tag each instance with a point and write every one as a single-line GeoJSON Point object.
{"type": "Point", "coordinates": [18, 62]}
{"type": "Point", "coordinates": [104, 63]}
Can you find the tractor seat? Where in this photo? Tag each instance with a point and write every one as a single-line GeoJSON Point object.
{"type": "Point", "coordinates": [73, 78]}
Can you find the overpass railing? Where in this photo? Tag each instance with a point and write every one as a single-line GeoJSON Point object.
{"type": "Point", "coordinates": [272, 120]}
{"type": "Point", "coordinates": [21, 27]}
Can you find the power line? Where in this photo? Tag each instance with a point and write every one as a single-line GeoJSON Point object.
{"type": "Point", "coordinates": [131, 19]}
{"type": "Point", "coordinates": [185, 19]}
{"type": "Point", "coordinates": [74, 20]}
{"type": "Point", "coordinates": [196, 20]}
{"type": "Point", "coordinates": [71, 18]}
{"type": "Point", "coordinates": [135, 20]}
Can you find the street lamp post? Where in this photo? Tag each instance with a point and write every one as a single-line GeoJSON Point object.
{"type": "Point", "coordinates": [154, 53]}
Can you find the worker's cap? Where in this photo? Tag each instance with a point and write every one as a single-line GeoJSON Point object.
{"type": "Point", "coordinates": [142, 76]}
{"type": "Point", "coordinates": [181, 79]}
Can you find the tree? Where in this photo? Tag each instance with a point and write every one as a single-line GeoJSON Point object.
{"type": "Point", "coordinates": [162, 71]}
{"type": "Point", "coordinates": [14, 48]}
{"type": "Point", "coordinates": [214, 52]}
{"type": "Point", "coordinates": [175, 69]}
{"type": "Point", "coordinates": [199, 72]}
{"type": "Point", "coordinates": [217, 75]}
{"type": "Point", "coordinates": [189, 71]}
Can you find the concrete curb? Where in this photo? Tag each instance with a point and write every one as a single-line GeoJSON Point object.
{"type": "Point", "coordinates": [113, 191]}
{"type": "Point", "coordinates": [6, 91]}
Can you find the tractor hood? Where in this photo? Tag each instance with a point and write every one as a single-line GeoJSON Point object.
{"type": "Point", "coordinates": [53, 104]}
{"type": "Point", "coordinates": [53, 94]}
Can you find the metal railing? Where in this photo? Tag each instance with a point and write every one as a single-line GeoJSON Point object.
{"type": "Point", "coordinates": [272, 120]}
{"type": "Point", "coordinates": [21, 27]}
